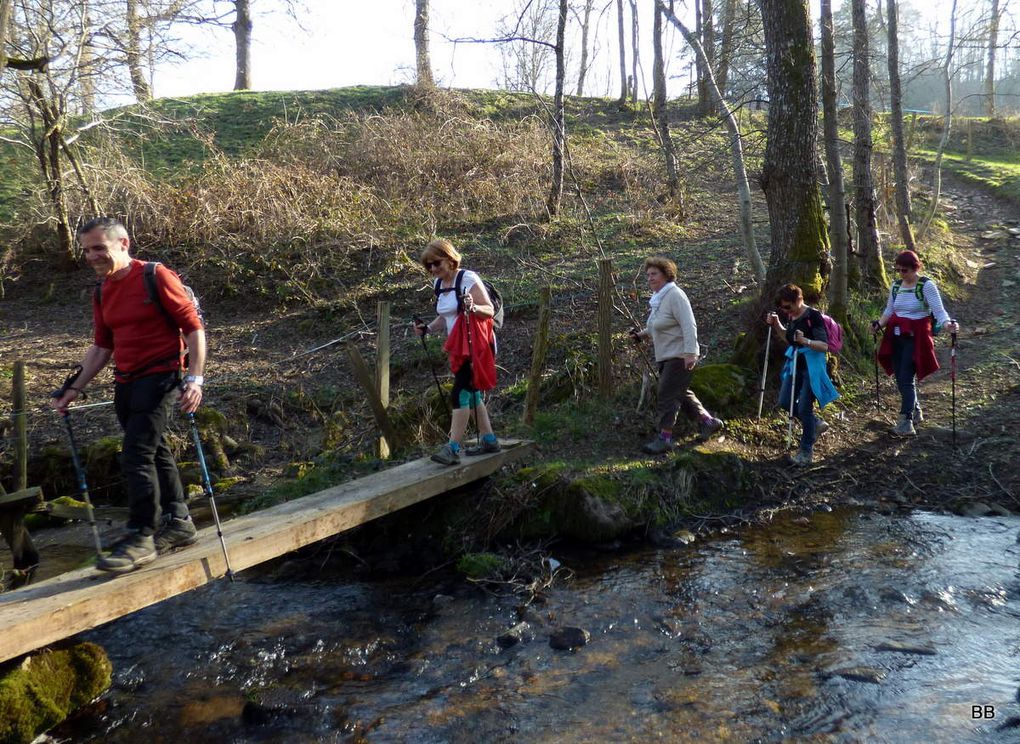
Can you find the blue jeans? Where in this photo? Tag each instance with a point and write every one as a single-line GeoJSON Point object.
{"type": "Point", "coordinates": [150, 473]}
{"type": "Point", "coordinates": [803, 407]}
{"type": "Point", "coordinates": [904, 369]}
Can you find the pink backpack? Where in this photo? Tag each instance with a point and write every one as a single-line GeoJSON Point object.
{"type": "Point", "coordinates": [834, 331]}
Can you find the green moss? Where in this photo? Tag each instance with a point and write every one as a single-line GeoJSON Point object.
{"type": "Point", "coordinates": [41, 520]}
{"type": "Point", "coordinates": [46, 687]}
{"type": "Point", "coordinates": [721, 387]}
{"type": "Point", "coordinates": [211, 421]}
{"type": "Point", "coordinates": [480, 565]}
{"type": "Point", "coordinates": [225, 484]}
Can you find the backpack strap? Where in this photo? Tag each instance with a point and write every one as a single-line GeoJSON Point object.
{"type": "Point", "coordinates": [896, 288]}
{"type": "Point", "coordinates": [919, 291]}
{"type": "Point", "coordinates": [152, 289]}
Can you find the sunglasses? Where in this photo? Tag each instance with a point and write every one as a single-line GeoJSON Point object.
{"type": "Point", "coordinates": [430, 264]}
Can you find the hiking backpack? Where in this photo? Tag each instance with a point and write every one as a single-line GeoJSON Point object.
{"type": "Point", "coordinates": [833, 330]}
{"type": "Point", "coordinates": [494, 296]}
{"type": "Point", "coordinates": [919, 294]}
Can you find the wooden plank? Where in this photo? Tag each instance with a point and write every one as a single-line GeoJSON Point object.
{"type": "Point", "coordinates": [18, 497]}
{"type": "Point", "coordinates": [40, 614]}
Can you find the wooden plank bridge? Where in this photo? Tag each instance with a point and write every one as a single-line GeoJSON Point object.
{"type": "Point", "coordinates": [40, 614]}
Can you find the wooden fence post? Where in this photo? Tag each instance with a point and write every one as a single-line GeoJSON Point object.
{"type": "Point", "coordinates": [364, 377]}
{"type": "Point", "coordinates": [20, 428]}
{"type": "Point", "coordinates": [538, 355]}
{"type": "Point", "coordinates": [605, 326]}
{"type": "Point", "coordinates": [382, 367]}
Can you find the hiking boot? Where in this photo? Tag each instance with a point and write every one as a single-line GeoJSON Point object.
{"type": "Point", "coordinates": [132, 551]}
{"type": "Point", "coordinates": [658, 446]}
{"type": "Point", "coordinates": [904, 427]}
{"type": "Point", "coordinates": [175, 533]}
{"type": "Point", "coordinates": [918, 416]}
{"type": "Point", "coordinates": [485, 448]}
{"type": "Point", "coordinates": [708, 427]}
{"type": "Point", "coordinates": [446, 456]}
{"type": "Point", "coordinates": [820, 427]}
{"type": "Point", "coordinates": [802, 458]}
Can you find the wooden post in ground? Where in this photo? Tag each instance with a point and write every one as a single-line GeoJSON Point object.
{"type": "Point", "coordinates": [364, 377]}
{"type": "Point", "coordinates": [382, 367]}
{"type": "Point", "coordinates": [20, 427]}
{"type": "Point", "coordinates": [12, 515]}
{"type": "Point", "coordinates": [538, 353]}
{"type": "Point", "coordinates": [605, 325]}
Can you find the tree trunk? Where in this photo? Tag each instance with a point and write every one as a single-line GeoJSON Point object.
{"type": "Point", "coordinates": [5, 23]}
{"type": "Point", "coordinates": [993, 41]}
{"type": "Point", "coordinates": [633, 51]}
{"type": "Point", "coordinates": [585, 20]}
{"type": "Point", "coordinates": [623, 53]}
{"type": "Point", "coordinates": [736, 150]}
{"type": "Point", "coordinates": [726, 45]}
{"type": "Point", "coordinates": [705, 97]}
{"type": "Point", "coordinates": [242, 39]}
{"type": "Point", "coordinates": [869, 250]}
{"type": "Point", "coordinates": [133, 53]}
{"type": "Point", "coordinates": [899, 153]}
{"type": "Point", "coordinates": [47, 141]}
{"type": "Point", "coordinates": [559, 116]}
{"type": "Point", "coordinates": [659, 111]}
{"type": "Point", "coordinates": [421, 44]}
{"type": "Point", "coordinates": [834, 167]}
{"type": "Point", "coordinates": [947, 123]}
{"type": "Point", "coordinates": [800, 245]}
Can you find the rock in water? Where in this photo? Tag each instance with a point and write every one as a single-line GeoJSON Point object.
{"type": "Point", "coordinates": [567, 639]}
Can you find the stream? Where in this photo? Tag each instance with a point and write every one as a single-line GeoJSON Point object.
{"type": "Point", "coordinates": [841, 626]}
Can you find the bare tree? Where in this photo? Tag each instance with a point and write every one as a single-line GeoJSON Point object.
{"type": "Point", "coordinates": [559, 115]}
{"type": "Point", "coordinates": [726, 44]}
{"type": "Point", "coordinates": [423, 61]}
{"type": "Point", "coordinates": [623, 53]}
{"type": "Point", "coordinates": [899, 153]}
{"type": "Point", "coordinates": [242, 27]}
{"type": "Point", "coordinates": [634, 62]}
{"type": "Point", "coordinates": [707, 67]}
{"type": "Point", "coordinates": [736, 148]}
{"type": "Point", "coordinates": [5, 22]}
{"type": "Point", "coordinates": [868, 247]}
{"type": "Point", "coordinates": [584, 20]}
{"type": "Point", "coordinates": [800, 246]}
{"type": "Point", "coordinates": [528, 47]}
{"type": "Point", "coordinates": [133, 52]}
{"type": "Point", "coordinates": [838, 285]}
{"type": "Point", "coordinates": [947, 123]}
{"type": "Point", "coordinates": [659, 112]}
{"type": "Point", "coordinates": [993, 41]}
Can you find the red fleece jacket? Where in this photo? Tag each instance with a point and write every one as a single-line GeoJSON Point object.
{"type": "Point", "coordinates": [925, 361]}
{"type": "Point", "coordinates": [480, 350]}
{"type": "Point", "coordinates": [127, 322]}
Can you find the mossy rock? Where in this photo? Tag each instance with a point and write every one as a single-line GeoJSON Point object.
{"type": "Point", "coordinates": [211, 422]}
{"type": "Point", "coordinates": [721, 480]}
{"type": "Point", "coordinates": [225, 484]}
{"type": "Point", "coordinates": [41, 520]}
{"type": "Point", "coordinates": [191, 473]}
{"type": "Point", "coordinates": [481, 565]}
{"type": "Point", "coordinates": [722, 388]}
{"type": "Point", "coordinates": [102, 460]}
{"type": "Point", "coordinates": [41, 691]}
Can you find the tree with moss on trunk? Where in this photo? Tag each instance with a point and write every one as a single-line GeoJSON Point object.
{"type": "Point", "coordinates": [838, 238]}
{"type": "Point", "coordinates": [659, 113]}
{"type": "Point", "coordinates": [800, 245]}
{"type": "Point", "coordinates": [899, 147]}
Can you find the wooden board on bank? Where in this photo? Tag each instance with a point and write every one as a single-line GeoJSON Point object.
{"type": "Point", "coordinates": [65, 605]}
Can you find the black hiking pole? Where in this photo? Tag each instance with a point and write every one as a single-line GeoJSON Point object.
{"type": "Point", "coordinates": [207, 485]}
{"type": "Point", "coordinates": [83, 486]}
{"type": "Point", "coordinates": [874, 344]}
{"type": "Point", "coordinates": [952, 378]}
{"type": "Point", "coordinates": [471, 358]}
{"type": "Point", "coordinates": [764, 371]}
{"type": "Point", "coordinates": [428, 358]}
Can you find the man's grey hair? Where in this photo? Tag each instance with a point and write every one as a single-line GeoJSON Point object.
{"type": "Point", "coordinates": [113, 227]}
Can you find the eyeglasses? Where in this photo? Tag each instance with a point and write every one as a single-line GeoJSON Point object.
{"type": "Point", "coordinates": [786, 306]}
{"type": "Point", "coordinates": [904, 269]}
{"type": "Point", "coordinates": [430, 264]}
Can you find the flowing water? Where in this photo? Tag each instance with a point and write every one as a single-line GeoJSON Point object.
{"type": "Point", "coordinates": [844, 626]}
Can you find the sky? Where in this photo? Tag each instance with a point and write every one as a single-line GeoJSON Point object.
{"type": "Point", "coordinates": [369, 42]}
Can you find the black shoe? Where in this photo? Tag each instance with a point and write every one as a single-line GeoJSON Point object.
{"type": "Point", "coordinates": [175, 533]}
{"type": "Point", "coordinates": [131, 552]}
{"type": "Point", "coordinates": [485, 448]}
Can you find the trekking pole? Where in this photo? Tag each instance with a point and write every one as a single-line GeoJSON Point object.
{"type": "Point", "coordinates": [83, 486]}
{"type": "Point", "coordinates": [952, 378]}
{"type": "Point", "coordinates": [764, 371]}
{"type": "Point", "coordinates": [793, 397]}
{"type": "Point", "coordinates": [477, 395]}
{"type": "Point", "coordinates": [874, 344]}
{"type": "Point", "coordinates": [207, 485]}
{"type": "Point", "coordinates": [428, 360]}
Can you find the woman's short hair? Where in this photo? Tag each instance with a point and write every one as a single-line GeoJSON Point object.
{"type": "Point", "coordinates": [441, 249]}
{"type": "Point", "coordinates": [908, 259]}
{"type": "Point", "coordinates": [789, 293]}
{"type": "Point", "coordinates": [663, 264]}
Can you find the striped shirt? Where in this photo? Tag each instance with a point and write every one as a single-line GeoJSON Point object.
{"type": "Point", "coordinates": [906, 305]}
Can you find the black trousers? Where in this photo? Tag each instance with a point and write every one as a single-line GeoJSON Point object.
{"type": "Point", "coordinates": [154, 486]}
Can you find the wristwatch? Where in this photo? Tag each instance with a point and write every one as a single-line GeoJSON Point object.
{"type": "Point", "coordinates": [194, 380]}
